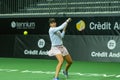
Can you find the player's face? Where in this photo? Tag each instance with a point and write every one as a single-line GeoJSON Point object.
{"type": "Point", "coordinates": [53, 24]}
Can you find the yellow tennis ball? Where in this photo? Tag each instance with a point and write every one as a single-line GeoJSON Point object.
{"type": "Point", "coordinates": [25, 32]}
{"type": "Point", "coordinates": [80, 25]}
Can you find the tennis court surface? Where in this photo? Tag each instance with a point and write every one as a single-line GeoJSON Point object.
{"type": "Point", "coordinates": [39, 69]}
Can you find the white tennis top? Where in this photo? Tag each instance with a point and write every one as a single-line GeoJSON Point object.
{"type": "Point", "coordinates": [55, 34]}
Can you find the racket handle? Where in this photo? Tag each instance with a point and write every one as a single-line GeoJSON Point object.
{"type": "Point", "coordinates": [68, 20]}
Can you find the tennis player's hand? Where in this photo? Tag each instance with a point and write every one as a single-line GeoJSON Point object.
{"type": "Point", "coordinates": [68, 20]}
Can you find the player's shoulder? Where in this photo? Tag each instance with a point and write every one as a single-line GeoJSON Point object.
{"type": "Point", "coordinates": [51, 30]}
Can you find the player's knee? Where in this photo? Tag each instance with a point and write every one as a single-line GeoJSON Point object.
{"type": "Point", "coordinates": [70, 62]}
{"type": "Point", "coordinates": [61, 61]}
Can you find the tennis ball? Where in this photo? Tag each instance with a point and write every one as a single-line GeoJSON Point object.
{"type": "Point", "coordinates": [80, 25]}
{"type": "Point", "coordinates": [25, 32]}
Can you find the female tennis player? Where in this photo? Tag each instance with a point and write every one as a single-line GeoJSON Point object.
{"type": "Point", "coordinates": [57, 48]}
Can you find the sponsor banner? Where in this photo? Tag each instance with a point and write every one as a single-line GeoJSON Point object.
{"type": "Point", "coordinates": [83, 48]}
{"type": "Point", "coordinates": [31, 46]}
{"type": "Point", "coordinates": [19, 25]}
{"type": "Point", "coordinates": [94, 48]}
{"type": "Point", "coordinates": [78, 26]}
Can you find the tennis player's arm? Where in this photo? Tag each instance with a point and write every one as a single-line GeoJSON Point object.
{"type": "Point", "coordinates": [63, 32]}
{"type": "Point", "coordinates": [63, 25]}
{"type": "Point", "coordinates": [60, 27]}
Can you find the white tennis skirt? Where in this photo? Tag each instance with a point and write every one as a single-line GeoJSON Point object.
{"type": "Point", "coordinates": [58, 50]}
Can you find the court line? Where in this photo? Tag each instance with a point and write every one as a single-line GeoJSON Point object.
{"type": "Point", "coordinates": [71, 73]}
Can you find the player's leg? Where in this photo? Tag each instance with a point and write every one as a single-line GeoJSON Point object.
{"type": "Point", "coordinates": [69, 62]}
{"type": "Point", "coordinates": [59, 65]}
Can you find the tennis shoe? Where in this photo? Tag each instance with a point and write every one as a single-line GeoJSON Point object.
{"type": "Point", "coordinates": [56, 79]}
{"type": "Point", "coordinates": [65, 73]}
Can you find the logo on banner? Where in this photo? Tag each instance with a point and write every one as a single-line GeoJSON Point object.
{"type": "Point", "coordinates": [23, 25]}
{"type": "Point", "coordinates": [41, 43]}
{"type": "Point", "coordinates": [104, 25]}
{"type": "Point", "coordinates": [111, 44]}
{"type": "Point", "coordinates": [80, 25]}
{"type": "Point", "coordinates": [106, 54]}
{"type": "Point", "coordinates": [13, 24]}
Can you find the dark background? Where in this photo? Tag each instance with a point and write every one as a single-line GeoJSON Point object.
{"type": "Point", "coordinates": [8, 34]}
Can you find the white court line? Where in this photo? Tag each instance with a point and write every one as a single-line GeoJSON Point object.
{"type": "Point", "coordinates": [9, 70]}
{"type": "Point", "coordinates": [71, 73]}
